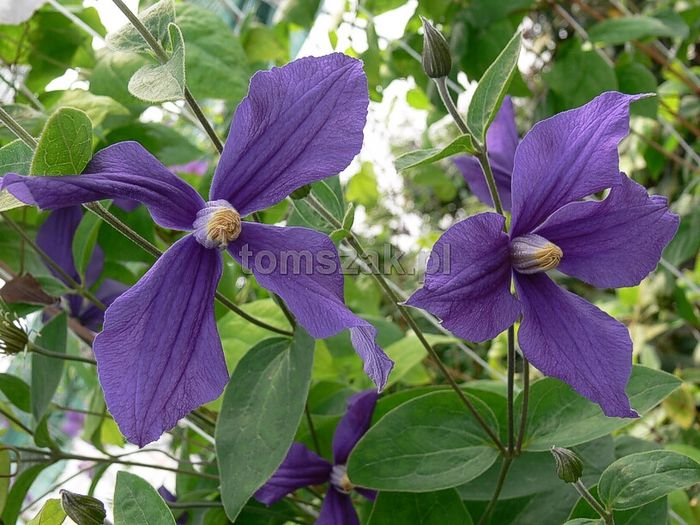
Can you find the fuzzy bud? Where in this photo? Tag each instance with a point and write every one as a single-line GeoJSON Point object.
{"type": "Point", "coordinates": [84, 510]}
{"type": "Point", "coordinates": [437, 61]}
{"type": "Point", "coordinates": [569, 465]}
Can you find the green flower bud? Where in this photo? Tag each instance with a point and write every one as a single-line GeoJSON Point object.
{"type": "Point", "coordinates": [13, 337]}
{"type": "Point", "coordinates": [437, 61]}
{"type": "Point", "coordinates": [84, 510]}
{"type": "Point", "coordinates": [569, 465]}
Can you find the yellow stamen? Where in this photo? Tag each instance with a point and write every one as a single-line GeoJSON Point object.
{"type": "Point", "coordinates": [224, 226]}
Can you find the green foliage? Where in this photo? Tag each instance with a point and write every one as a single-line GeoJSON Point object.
{"type": "Point", "coordinates": [84, 242]}
{"type": "Point", "coordinates": [433, 508]}
{"type": "Point", "coordinates": [620, 30]}
{"type": "Point", "coordinates": [638, 479]}
{"type": "Point", "coordinates": [50, 514]}
{"type": "Point", "coordinates": [137, 503]}
{"type": "Point", "coordinates": [156, 19]}
{"type": "Point", "coordinates": [261, 410]}
{"type": "Point", "coordinates": [461, 145]}
{"type": "Point", "coordinates": [394, 454]}
{"type": "Point", "coordinates": [65, 145]}
{"type": "Point", "coordinates": [47, 371]}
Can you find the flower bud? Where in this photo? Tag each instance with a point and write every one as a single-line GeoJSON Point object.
{"type": "Point", "coordinates": [436, 52]}
{"type": "Point", "coordinates": [13, 337]}
{"type": "Point", "coordinates": [569, 465]}
{"type": "Point", "coordinates": [84, 510]}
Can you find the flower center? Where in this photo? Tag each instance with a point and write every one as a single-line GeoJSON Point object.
{"type": "Point", "coordinates": [340, 480]}
{"type": "Point", "coordinates": [533, 253]}
{"type": "Point", "coordinates": [217, 224]}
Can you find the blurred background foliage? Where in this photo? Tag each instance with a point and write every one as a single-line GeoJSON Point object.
{"type": "Point", "coordinates": [573, 50]}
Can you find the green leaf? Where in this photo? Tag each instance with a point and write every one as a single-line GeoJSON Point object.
{"type": "Point", "coordinates": [362, 187]}
{"type": "Point", "coordinates": [103, 110]}
{"type": "Point", "coordinates": [585, 521]}
{"type": "Point", "coordinates": [137, 503]}
{"type": "Point", "coordinates": [5, 471]}
{"type": "Point", "coordinates": [15, 157]}
{"type": "Point", "coordinates": [428, 443]}
{"type": "Point", "coordinates": [42, 436]}
{"type": "Point", "coordinates": [262, 407]}
{"type": "Point", "coordinates": [162, 82]}
{"type": "Point", "coordinates": [20, 487]}
{"type": "Point", "coordinates": [156, 19]}
{"type": "Point", "coordinates": [431, 508]}
{"type": "Point", "coordinates": [636, 78]}
{"type": "Point", "coordinates": [165, 143]}
{"type": "Point", "coordinates": [558, 416]}
{"type": "Point", "coordinates": [47, 371]}
{"type": "Point", "coordinates": [17, 391]}
{"type": "Point", "coordinates": [65, 145]}
{"type": "Point", "coordinates": [461, 145]}
{"type": "Point", "coordinates": [620, 30]}
{"type": "Point", "coordinates": [110, 77]}
{"type": "Point", "coordinates": [216, 62]}
{"type": "Point", "coordinates": [638, 479]}
{"type": "Point", "coordinates": [492, 88]}
{"type": "Point", "coordinates": [50, 514]}
{"type": "Point", "coordinates": [409, 352]}
{"type": "Point", "coordinates": [84, 242]}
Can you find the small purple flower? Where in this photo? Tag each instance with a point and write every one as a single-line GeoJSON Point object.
{"type": "Point", "coordinates": [73, 423]}
{"type": "Point", "coordinates": [303, 468]}
{"type": "Point", "coordinates": [55, 237]}
{"type": "Point", "coordinates": [159, 355]}
{"type": "Point", "coordinates": [501, 142]}
{"type": "Point", "coordinates": [608, 243]}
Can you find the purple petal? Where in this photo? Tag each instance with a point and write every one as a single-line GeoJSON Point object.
{"type": "Point", "coordinates": [300, 468]}
{"type": "Point", "coordinates": [124, 170]}
{"type": "Point", "coordinates": [55, 237]}
{"type": "Point", "coordinates": [126, 204]}
{"type": "Point", "coordinates": [159, 355]}
{"type": "Point", "coordinates": [92, 316]}
{"type": "Point", "coordinates": [337, 509]}
{"type": "Point", "coordinates": [501, 141]}
{"type": "Point", "coordinates": [615, 242]}
{"type": "Point", "coordinates": [354, 424]}
{"type": "Point", "coordinates": [299, 123]}
{"type": "Point", "coordinates": [570, 339]}
{"type": "Point", "coordinates": [467, 283]}
{"type": "Point", "coordinates": [366, 493]}
{"type": "Point", "coordinates": [567, 157]}
{"type": "Point", "coordinates": [302, 267]}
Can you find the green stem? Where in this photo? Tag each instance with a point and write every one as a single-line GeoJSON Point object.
{"type": "Point", "coordinates": [525, 404]}
{"type": "Point", "coordinates": [450, 105]}
{"type": "Point", "coordinates": [510, 394]}
{"type": "Point", "coordinates": [312, 429]}
{"type": "Point", "coordinates": [112, 220]}
{"type": "Point", "coordinates": [585, 494]}
{"type": "Point", "coordinates": [18, 130]}
{"type": "Point", "coordinates": [77, 287]}
{"type": "Point", "coordinates": [490, 181]}
{"type": "Point", "coordinates": [505, 466]}
{"type": "Point", "coordinates": [403, 311]}
{"type": "Point", "coordinates": [58, 355]}
{"type": "Point", "coordinates": [16, 421]}
{"type": "Point", "coordinates": [163, 58]}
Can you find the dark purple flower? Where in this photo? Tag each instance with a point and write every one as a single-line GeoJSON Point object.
{"type": "Point", "coordinates": [302, 467]}
{"type": "Point", "coordinates": [501, 141]}
{"type": "Point", "coordinates": [159, 355]}
{"type": "Point", "coordinates": [55, 237]}
{"type": "Point", "coordinates": [607, 243]}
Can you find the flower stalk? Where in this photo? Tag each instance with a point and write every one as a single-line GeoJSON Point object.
{"type": "Point", "coordinates": [585, 494]}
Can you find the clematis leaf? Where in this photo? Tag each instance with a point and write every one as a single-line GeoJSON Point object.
{"type": "Point", "coordinates": [619, 30]}
{"type": "Point", "coordinates": [432, 508]}
{"type": "Point", "coordinates": [137, 503]}
{"type": "Point", "coordinates": [47, 371]}
{"type": "Point", "coordinates": [16, 391]}
{"type": "Point", "coordinates": [156, 19]}
{"type": "Point", "coordinates": [492, 89]}
{"type": "Point", "coordinates": [429, 443]}
{"type": "Point", "coordinates": [65, 145]}
{"type": "Point", "coordinates": [638, 479]}
{"type": "Point", "coordinates": [50, 514]}
{"type": "Point", "coordinates": [15, 157]}
{"type": "Point", "coordinates": [460, 145]}
{"type": "Point", "coordinates": [162, 82]}
{"type": "Point", "coordinates": [261, 410]}
{"type": "Point", "coordinates": [558, 416]}
{"type": "Point", "coordinates": [20, 488]}
{"type": "Point", "coordinates": [84, 241]}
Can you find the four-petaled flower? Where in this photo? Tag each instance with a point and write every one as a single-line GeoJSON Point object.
{"type": "Point", "coordinates": [159, 355]}
{"type": "Point", "coordinates": [55, 237]}
{"type": "Point", "coordinates": [608, 243]}
{"type": "Point", "coordinates": [303, 468]}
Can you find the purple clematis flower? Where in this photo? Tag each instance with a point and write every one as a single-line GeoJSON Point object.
{"type": "Point", "coordinates": [501, 142]}
{"type": "Point", "coordinates": [302, 467]}
{"type": "Point", "coordinates": [607, 243]}
{"type": "Point", "coordinates": [55, 237]}
{"type": "Point", "coordinates": [159, 355]}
